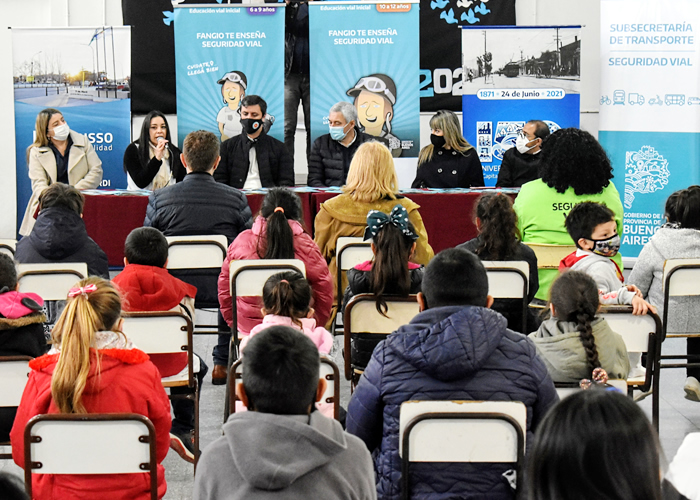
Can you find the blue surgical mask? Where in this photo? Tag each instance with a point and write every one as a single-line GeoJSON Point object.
{"type": "Point", "coordinates": [338, 133]}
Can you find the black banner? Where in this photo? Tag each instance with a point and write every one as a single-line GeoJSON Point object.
{"type": "Point", "coordinates": [152, 53]}
{"type": "Point", "coordinates": [441, 42]}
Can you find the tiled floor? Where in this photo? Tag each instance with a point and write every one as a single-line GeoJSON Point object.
{"type": "Point", "coordinates": [678, 416]}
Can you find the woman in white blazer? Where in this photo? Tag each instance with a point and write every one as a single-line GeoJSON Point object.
{"type": "Point", "coordinates": [58, 154]}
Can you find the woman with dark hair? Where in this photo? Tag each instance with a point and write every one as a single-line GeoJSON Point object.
{"type": "Point", "coordinates": [678, 238]}
{"type": "Point", "coordinates": [594, 444]}
{"type": "Point", "coordinates": [153, 162]}
{"type": "Point", "coordinates": [573, 342]}
{"type": "Point", "coordinates": [499, 239]}
{"type": "Point", "coordinates": [574, 168]}
{"type": "Point", "coordinates": [390, 272]}
{"type": "Point", "coordinates": [277, 233]}
{"type": "Point", "coordinates": [449, 161]}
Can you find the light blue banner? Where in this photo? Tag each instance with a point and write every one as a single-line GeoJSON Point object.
{"type": "Point", "coordinates": [84, 73]}
{"type": "Point", "coordinates": [367, 53]}
{"type": "Point", "coordinates": [513, 75]}
{"type": "Point", "coordinates": [649, 103]}
{"type": "Point", "coordinates": [221, 54]}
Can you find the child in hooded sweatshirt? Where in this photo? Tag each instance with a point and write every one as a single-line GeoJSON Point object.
{"type": "Point", "coordinates": [573, 342]}
{"type": "Point", "coordinates": [21, 328]}
{"type": "Point", "coordinates": [592, 227]}
{"type": "Point", "coordinates": [146, 285]}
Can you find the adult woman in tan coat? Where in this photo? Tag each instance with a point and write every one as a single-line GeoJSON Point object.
{"type": "Point", "coordinates": [78, 163]}
{"type": "Point", "coordinates": [371, 185]}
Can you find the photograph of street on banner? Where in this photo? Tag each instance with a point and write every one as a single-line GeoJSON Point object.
{"type": "Point", "coordinates": [71, 67]}
{"type": "Point", "coordinates": [521, 58]}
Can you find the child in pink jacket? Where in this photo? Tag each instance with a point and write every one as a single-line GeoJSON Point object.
{"type": "Point", "coordinates": [287, 299]}
{"type": "Point", "coordinates": [276, 234]}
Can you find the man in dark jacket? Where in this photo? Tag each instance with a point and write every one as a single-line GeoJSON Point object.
{"type": "Point", "coordinates": [59, 234]}
{"type": "Point", "coordinates": [521, 163]}
{"type": "Point", "coordinates": [200, 205]}
{"type": "Point", "coordinates": [253, 159]}
{"type": "Point", "coordinates": [455, 349]}
{"type": "Point", "coordinates": [332, 153]}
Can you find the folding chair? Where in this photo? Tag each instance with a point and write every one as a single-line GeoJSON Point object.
{"type": "Point", "coordinates": [349, 252]}
{"type": "Point", "coordinates": [198, 252]}
{"type": "Point", "coordinates": [98, 443]}
{"type": "Point", "coordinates": [460, 431]}
{"type": "Point", "coordinates": [14, 372]}
{"type": "Point", "coordinates": [361, 316]}
{"type": "Point", "coordinates": [509, 280]}
{"type": "Point", "coordinates": [168, 332]}
{"type": "Point", "coordinates": [8, 247]}
{"type": "Point", "coordinates": [247, 279]}
{"type": "Point", "coordinates": [328, 370]}
{"type": "Point", "coordinates": [549, 256]}
{"type": "Point", "coordinates": [50, 281]}
{"type": "Point", "coordinates": [642, 334]}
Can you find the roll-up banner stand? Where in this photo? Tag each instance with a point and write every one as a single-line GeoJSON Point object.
{"type": "Point", "coordinates": [649, 106]}
{"type": "Point", "coordinates": [367, 53]}
{"type": "Point", "coordinates": [84, 73]}
{"type": "Point", "coordinates": [223, 53]}
{"type": "Point", "coordinates": [515, 74]}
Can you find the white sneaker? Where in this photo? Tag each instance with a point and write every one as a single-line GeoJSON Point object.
{"type": "Point", "coordinates": [692, 389]}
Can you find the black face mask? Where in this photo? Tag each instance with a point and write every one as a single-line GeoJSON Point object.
{"type": "Point", "coordinates": [437, 140]}
{"type": "Point", "coordinates": [250, 125]}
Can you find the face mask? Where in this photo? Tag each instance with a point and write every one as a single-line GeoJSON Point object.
{"type": "Point", "coordinates": [338, 133]}
{"type": "Point", "coordinates": [250, 125]}
{"type": "Point", "coordinates": [607, 247]}
{"type": "Point", "coordinates": [521, 144]}
{"type": "Point", "coordinates": [61, 132]}
{"type": "Point", "coordinates": [437, 140]}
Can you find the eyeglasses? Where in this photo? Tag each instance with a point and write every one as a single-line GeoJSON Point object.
{"type": "Point", "coordinates": [376, 85]}
{"type": "Point", "coordinates": [522, 134]}
{"type": "Point", "coordinates": [233, 77]}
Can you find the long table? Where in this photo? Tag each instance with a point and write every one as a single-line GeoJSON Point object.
{"type": "Point", "coordinates": [448, 216]}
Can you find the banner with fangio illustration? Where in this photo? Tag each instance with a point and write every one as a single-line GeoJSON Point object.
{"type": "Point", "coordinates": [513, 75]}
{"type": "Point", "coordinates": [85, 74]}
{"type": "Point", "coordinates": [223, 53]}
{"type": "Point", "coordinates": [649, 106]}
{"type": "Point", "coordinates": [366, 53]}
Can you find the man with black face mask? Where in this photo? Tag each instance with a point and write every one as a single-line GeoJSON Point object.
{"type": "Point", "coordinates": [253, 159]}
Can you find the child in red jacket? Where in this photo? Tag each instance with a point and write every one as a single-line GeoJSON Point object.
{"type": "Point", "coordinates": [146, 285]}
{"type": "Point", "coordinates": [93, 368]}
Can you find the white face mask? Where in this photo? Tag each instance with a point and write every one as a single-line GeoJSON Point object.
{"type": "Point", "coordinates": [61, 132]}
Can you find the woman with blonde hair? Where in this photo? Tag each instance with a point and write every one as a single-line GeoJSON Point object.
{"type": "Point", "coordinates": [58, 154]}
{"type": "Point", "coordinates": [449, 161]}
{"type": "Point", "coordinates": [93, 368]}
{"type": "Point", "coordinates": [371, 185]}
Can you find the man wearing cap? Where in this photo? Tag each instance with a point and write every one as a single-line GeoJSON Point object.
{"type": "Point", "coordinates": [332, 153]}
{"type": "Point", "coordinates": [253, 159]}
{"type": "Point", "coordinates": [375, 97]}
{"type": "Point", "coordinates": [233, 87]}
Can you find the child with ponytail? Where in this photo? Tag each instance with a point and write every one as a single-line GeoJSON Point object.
{"type": "Point", "coordinates": [499, 239]}
{"type": "Point", "coordinates": [93, 368]}
{"type": "Point", "coordinates": [389, 273]}
{"type": "Point", "coordinates": [277, 233]}
{"type": "Point", "coordinates": [287, 302]}
{"type": "Point", "coordinates": [573, 341]}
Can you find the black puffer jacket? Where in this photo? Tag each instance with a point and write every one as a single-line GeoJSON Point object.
{"type": "Point", "coordinates": [199, 205]}
{"type": "Point", "coordinates": [329, 160]}
{"type": "Point", "coordinates": [59, 235]}
{"type": "Point", "coordinates": [275, 164]}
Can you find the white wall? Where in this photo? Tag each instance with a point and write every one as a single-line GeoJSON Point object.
{"type": "Point", "coordinates": [59, 13]}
